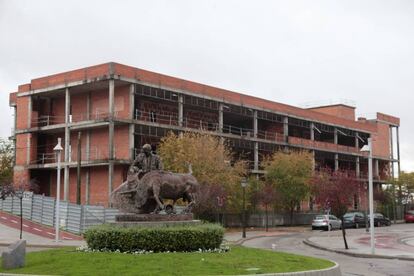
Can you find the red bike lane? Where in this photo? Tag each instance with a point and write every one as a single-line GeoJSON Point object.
{"type": "Point", "coordinates": [35, 228]}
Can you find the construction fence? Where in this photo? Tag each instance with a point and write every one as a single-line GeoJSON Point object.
{"type": "Point", "coordinates": [73, 218]}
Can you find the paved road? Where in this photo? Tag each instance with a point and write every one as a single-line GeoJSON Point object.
{"type": "Point", "coordinates": [293, 243]}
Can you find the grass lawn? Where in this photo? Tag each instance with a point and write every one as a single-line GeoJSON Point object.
{"type": "Point", "coordinates": [238, 261]}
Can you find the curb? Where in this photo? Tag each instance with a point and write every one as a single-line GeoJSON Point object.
{"type": "Point", "coordinates": [34, 245]}
{"type": "Point", "coordinates": [330, 271]}
{"type": "Point", "coordinates": [359, 255]}
{"type": "Point", "coordinates": [243, 240]}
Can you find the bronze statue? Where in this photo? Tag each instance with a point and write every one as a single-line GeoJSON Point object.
{"type": "Point", "coordinates": [148, 185]}
{"type": "Point", "coordinates": [146, 161]}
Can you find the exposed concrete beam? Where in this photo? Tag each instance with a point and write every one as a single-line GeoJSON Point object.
{"type": "Point", "coordinates": [111, 132]}
{"type": "Point", "coordinates": [336, 136]}
{"type": "Point", "coordinates": [356, 140]}
{"type": "Point", "coordinates": [376, 169]}
{"type": "Point", "coordinates": [220, 100]}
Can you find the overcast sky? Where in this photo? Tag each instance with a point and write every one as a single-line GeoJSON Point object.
{"type": "Point", "coordinates": [286, 51]}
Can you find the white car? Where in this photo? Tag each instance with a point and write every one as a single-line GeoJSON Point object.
{"type": "Point", "coordinates": [327, 222]}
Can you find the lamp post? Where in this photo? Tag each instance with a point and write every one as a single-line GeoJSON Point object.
{"type": "Point", "coordinates": [244, 185]}
{"type": "Point", "coordinates": [368, 148]}
{"type": "Point", "coordinates": [58, 149]}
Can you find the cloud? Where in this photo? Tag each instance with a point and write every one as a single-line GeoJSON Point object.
{"type": "Point", "coordinates": [286, 51]}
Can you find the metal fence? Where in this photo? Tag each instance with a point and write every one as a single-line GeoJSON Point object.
{"type": "Point", "coordinates": [73, 218]}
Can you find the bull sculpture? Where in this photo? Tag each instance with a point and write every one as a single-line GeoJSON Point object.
{"type": "Point", "coordinates": [146, 195]}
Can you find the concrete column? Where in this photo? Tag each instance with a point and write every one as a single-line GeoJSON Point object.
{"type": "Point", "coordinates": [87, 186]}
{"type": "Point", "coordinates": [88, 106]}
{"type": "Point", "coordinates": [29, 111]}
{"type": "Point", "coordinates": [14, 134]}
{"type": "Point", "coordinates": [336, 136]}
{"type": "Point", "coordinates": [312, 131]}
{"type": "Point", "coordinates": [29, 125]}
{"type": "Point", "coordinates": [286, 128]}
{"type": "Point", "coordinates": [180, 110]}
{"type": "Point", "coordinates": [88, 145]}
{"type": "Point", "coordinates": [398, 151]}
{"type": "Point", "coordinates": [221, 118]}
{"type": "Point", "coordinates": [256, 156]}
{"type": "Point", "coordinates": [356, 140]}
{"type": "Point", "coordinates": [111, 136]}
{"type": "Point", "coordinates": [67, 146]}
{"type": "Point", "coordinates": [132, 126]}
{"type": "Point", "coordinates": [392, 153]}
{"type": "Point", "coordinates": [336, 161]}
{"type": "Point", "coordinates": [357, 168]}
{"type": "Point", "coordinates": [255, 124]}
{"type": "Point", "coordinates": [376, 167]}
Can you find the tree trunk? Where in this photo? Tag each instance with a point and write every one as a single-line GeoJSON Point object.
{"type": "Point", "coordinates": [291, 216]}
{"type": "Point", "coordinates": [344, 234]}
{"type": "Point", "coordinates": [267, 218]}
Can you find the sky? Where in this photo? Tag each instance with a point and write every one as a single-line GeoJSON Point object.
{"type": "Point", "coordinates": [289, 51]}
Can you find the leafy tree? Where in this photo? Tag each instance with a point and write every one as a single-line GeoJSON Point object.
{"type": "Point", "coordinates": [290, 175]}
{"type": "Point", "coordinates": [6, 161]}
{"type": "Point", "coordinates": [336, 190]}
{"type": "Point", "coordinates": [212, 163]}
{"type": "Point", "coordinates": [406, 182]}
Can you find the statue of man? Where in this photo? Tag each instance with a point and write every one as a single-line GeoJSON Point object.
{"type": "Point", "coordinates": [146, 161]}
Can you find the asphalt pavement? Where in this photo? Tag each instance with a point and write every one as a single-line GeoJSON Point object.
{"type": "Point", "coordinates": [292, 242]}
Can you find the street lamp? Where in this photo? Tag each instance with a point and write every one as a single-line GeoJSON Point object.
{"type": "Point", "coordinates": [244, 185]}
{"type": "Point", "coordinates": [368, 148]}
{"type": "Point", "coordinates": [58, 149]}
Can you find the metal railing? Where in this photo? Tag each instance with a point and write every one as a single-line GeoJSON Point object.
{"type": "Point", "coordinates": [73, 218]}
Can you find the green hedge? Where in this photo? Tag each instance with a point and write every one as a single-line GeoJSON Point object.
{"type": "Point", "coordinates": [159, 239]}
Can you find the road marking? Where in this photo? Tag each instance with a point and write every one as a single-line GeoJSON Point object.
{"type": "Point", "coordinates": [3, 217]}
{"type": "Point", "coordinates": [24, 225]}
{"type": "Point", "coordinates": [14, 221]}
{"type": "Point", "coordinates": [67, 238]}
{"type": "Point", "coordinates": [37, 229]}
{"type": "Point", "coordinates": [50, 233]}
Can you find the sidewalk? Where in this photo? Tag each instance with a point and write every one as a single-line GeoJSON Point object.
{"type": "Point", "coordinates": [36, 235]}
{"type": "Point", "coordinates": [396, 242]}
{"type": "Point", "coordinates": [235, 235]}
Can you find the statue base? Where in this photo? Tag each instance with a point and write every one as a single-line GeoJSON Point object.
{"type": "Point", "coordinates": [154, 220]}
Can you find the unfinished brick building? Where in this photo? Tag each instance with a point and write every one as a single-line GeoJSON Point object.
{"type": "Point", "coordinates": [118, 108]}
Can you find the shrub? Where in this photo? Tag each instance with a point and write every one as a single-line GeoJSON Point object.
{"type": "Point", "coordinates": [157, 239]}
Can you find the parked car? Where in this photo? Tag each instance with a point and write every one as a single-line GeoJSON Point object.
{"type": "Point", "coordinates": [354, 220]}
{"type": "Point", "coordinates": [325, 222]}
{"type": "Point", "coordinates": [409, 216]}
{"type": "Point", "coordinates": [380, 220]}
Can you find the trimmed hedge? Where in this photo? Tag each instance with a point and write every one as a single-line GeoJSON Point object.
{"type": "Point", "coordinates": [157, 239]}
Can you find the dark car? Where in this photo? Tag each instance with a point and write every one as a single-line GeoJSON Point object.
{"type": "Point", "coordinates": [409, 216]}
{"type": "Point", "coordinates": [380, 220]}
{"type": "Point", "coordinates": [354, 220]}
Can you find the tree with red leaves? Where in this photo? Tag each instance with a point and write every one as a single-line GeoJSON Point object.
{"type": "Point", "coordinates": [335, 190]}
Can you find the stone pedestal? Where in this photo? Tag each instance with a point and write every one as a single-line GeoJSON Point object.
{"type": "Point", "coordinates": [15, 255]}
{"type": "Point", "coordinates": [154, 220]}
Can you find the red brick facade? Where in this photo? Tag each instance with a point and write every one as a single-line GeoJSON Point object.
{"type": "Point", "coordinates": [138, 118]}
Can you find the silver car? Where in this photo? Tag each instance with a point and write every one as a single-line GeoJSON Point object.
{"type": "Point", "coordinates": [326, 222]}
